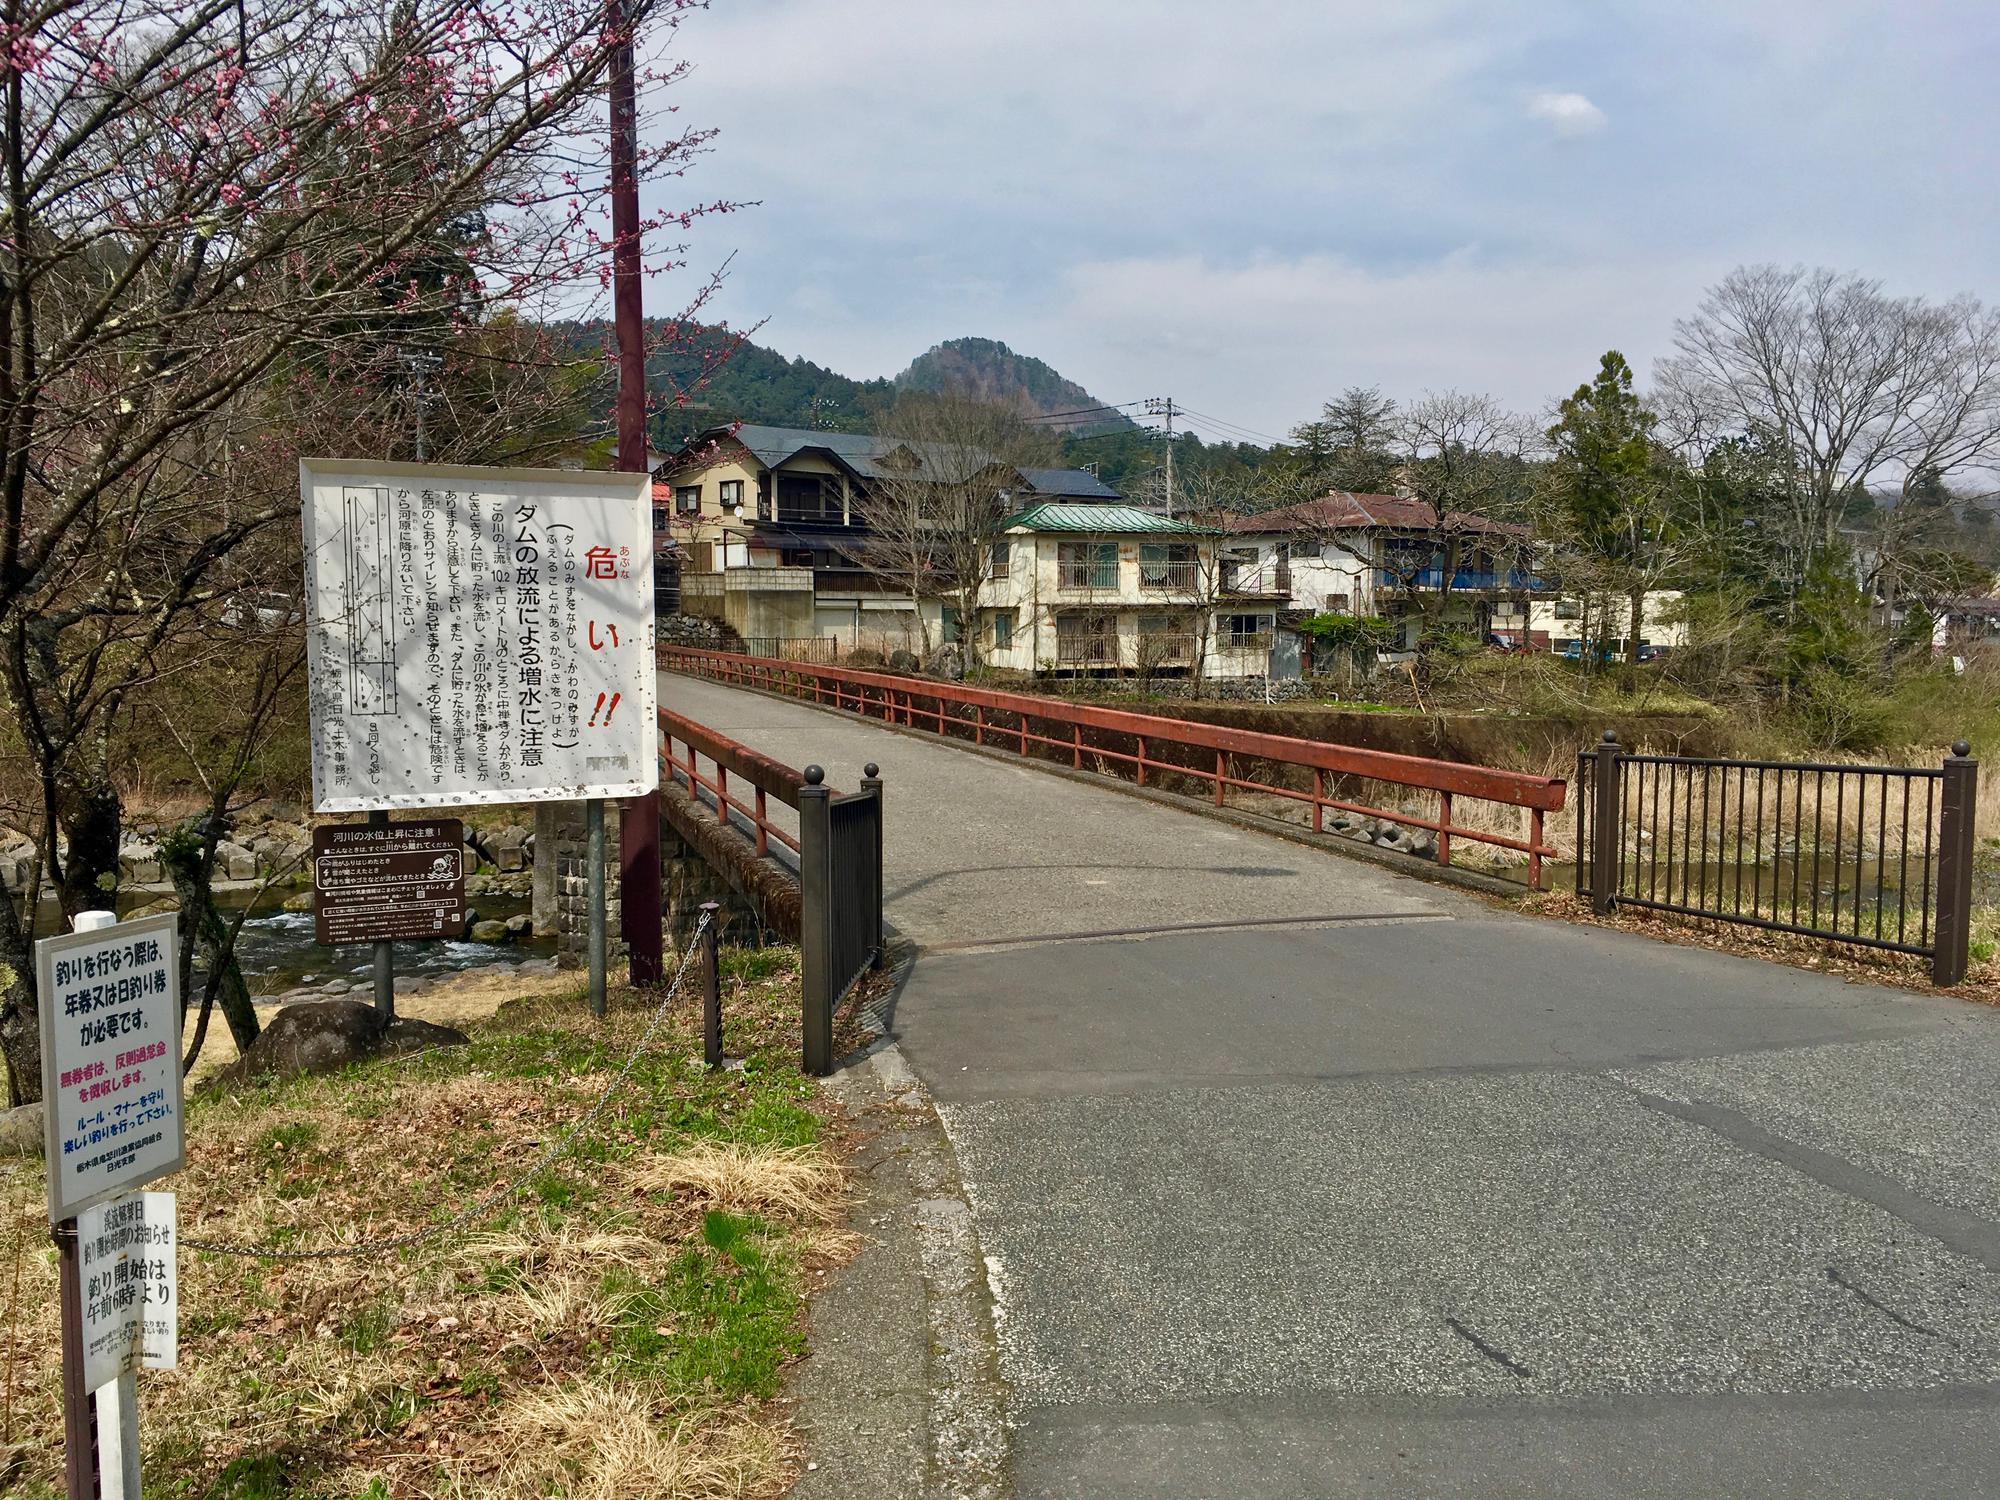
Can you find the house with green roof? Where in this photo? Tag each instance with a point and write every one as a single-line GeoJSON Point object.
{"type": "Point", "coordinates": [1113, 590]}
{"type": "Point", "coordinates": [767, 528]}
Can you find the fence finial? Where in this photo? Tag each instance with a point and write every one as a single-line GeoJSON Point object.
{"type": "Point", "coordinates": [815, 775]}
{"type": "Point", "coordinates": [1610, 736]}
{"type": "Point", "coordinates": [871, 770]}
{"type": "Point", "coordinates": [1961, 749]}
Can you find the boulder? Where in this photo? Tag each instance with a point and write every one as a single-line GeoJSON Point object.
{"type": "Point", "coordinates": [903, 661]}
{"type": "Point", "coordinates": [488, 932]}
{"type": "Point", "coordinates": [303, 901]}
{"type": "Point", "coordinates": [16, 868]}
{"type": "Point", "coordinates": [324, 1036]}
{"type": "Point", "coordinates": [411, 984]}
{"type": "Point", "coordinates": [156, 908]}
{"type": "Point", "coordinates": [1393, 836]}
{"type": "Point", "coordinates": [21, 1132]}
{"type": "Point", "coordinates": [520, 926]}
{"type": "Point", "coordinates": [140, 863]}
{"type": "Point", "coordinates": [234, 862]}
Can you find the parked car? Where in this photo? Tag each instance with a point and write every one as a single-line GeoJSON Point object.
{"type": "Point", "coordinates": [1600, 651]}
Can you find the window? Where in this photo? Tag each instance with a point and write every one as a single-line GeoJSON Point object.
{"type": "Point", "coordinates": [796, 557]}
{"type": "Point", "coordinates": [1339, 604]}
{"type": "Point", "coordinates": [1166, 565]}
{"type": "Point", "coordinates": [763, 497]}
{"type": "Point", "coordinates": [731, 493]}
{"type": "Point", "coordinates": [1085, 640]}
{"type": "Point", "coordinates": [1249, 631]}
{"type": "Point", "coordinates": [1003, 630]}
{"type": "Point", "coordinates": [1239, 569]}
{"type": "Point", "coordinates": [1087, 565]}
{"type": "Point", "coordinates": [687, 499]}
{"type": "Point", "coordinates": [659, 518]}
{"type": "Point", "coordinates": [948, 624]}
{"type": "Point", "coordinates": [1568, 609]}
{"type": "Point", "coordinates": [809, 497]}
{"type": "Point", "coordinates": [1000, 560]}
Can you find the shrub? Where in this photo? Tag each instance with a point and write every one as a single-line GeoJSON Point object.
{"type": "Point", "coordinates": [1832, 711]}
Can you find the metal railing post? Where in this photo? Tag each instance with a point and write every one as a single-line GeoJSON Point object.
{"type": "Point", "coordinates": [711, 986]}
{"type": "Point", "coordinates": [1957, 805]}
{"type": "Point", "coordinates": [816, 920]}
{"type": "Point", "coordinates": [871, 781]}
{"type": "Point", "coordinates": [1604, 825]}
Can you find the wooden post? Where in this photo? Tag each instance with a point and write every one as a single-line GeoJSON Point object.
{"type": "Point", "coordinates": [1958, 806]}
{"type": "Point", "coordinates": [1605, 825]}
{"type": "Point", "coordinates": [711, 986]}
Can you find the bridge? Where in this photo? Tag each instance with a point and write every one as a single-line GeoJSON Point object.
{"type": "Point", "coordinates": [1298, 1176]}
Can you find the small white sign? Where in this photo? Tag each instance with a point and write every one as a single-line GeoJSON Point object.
{"type": "Point", "coordinates": [111, 1064]}
{"type": "Point", "coordinates": [130, 1275]}
{"type": "Point", "coordinates": [478, 635]}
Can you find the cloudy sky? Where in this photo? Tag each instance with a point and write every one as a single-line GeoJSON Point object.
{"type": "Point", "coordinates": [1249, 205]}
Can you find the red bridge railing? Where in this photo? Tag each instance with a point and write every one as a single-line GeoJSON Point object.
{"type": "Point", "coordinates": [1150, 745]}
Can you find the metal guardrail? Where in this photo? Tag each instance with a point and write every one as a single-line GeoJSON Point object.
{"type": "Point", "coordinates": [1877, 856]}
{"type": "Point", "coordinates": [839, 850]}
{"type": "Point", "coordinates": [1153, 747]}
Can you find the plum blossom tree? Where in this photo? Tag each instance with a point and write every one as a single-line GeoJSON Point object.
{"type": "Point", "coordinates": [222, 223]}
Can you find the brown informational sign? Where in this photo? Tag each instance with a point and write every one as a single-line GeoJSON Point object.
{"type": "Point", "coordinates": [398, 881]}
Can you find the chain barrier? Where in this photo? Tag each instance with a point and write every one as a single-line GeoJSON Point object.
{"type": "Point", "coordinates": [480, 1207]}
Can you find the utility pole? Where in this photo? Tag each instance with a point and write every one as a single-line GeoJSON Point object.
{"type": "Point", "coordinates": [638, 817]}
{"type": "Point", "coordinates": [1163, 406]}
{"type": "Point", "coordinates": [422, 364]}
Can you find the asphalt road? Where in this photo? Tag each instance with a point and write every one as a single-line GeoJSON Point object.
{"type": "Point", "coordinates": [1402, 1195]}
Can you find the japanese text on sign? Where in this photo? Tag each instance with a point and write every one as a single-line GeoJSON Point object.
{"type": "Point", "coordinates": [111, 1067]}
{"type": "Point", "coordinates": [130, 1281]}
{"type": "Point", "coordinates": [478, 635]}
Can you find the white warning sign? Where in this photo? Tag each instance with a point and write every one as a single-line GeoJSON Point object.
{"type": "Point", "coordinates": [478, 635]}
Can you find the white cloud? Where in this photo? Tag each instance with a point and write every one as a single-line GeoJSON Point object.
{"type": "Point", "coordinates": [1567, 114]}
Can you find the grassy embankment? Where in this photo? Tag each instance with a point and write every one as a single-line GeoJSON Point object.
{"type": "Point", "coordinates": [617, 1328]}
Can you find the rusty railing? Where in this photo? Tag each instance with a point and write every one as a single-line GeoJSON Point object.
{"type": "Point", "coordinates": [1875, 856]}
{"type": "Point", "coordinates": [1152, 748]}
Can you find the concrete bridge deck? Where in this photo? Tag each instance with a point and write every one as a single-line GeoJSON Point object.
{"type": "Point", "coordinates": [1398, 1194]}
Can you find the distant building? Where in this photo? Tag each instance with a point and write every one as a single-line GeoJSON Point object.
{"type": "Point", "coordinates": [761, 527]}
{"type": "Point", "coordinates": [1112, 590]}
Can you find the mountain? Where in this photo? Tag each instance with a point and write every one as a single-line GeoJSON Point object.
{"type": "Point", "coordinates": [988, 370]}
{"type": "Point", "coordinates": [706, 375]}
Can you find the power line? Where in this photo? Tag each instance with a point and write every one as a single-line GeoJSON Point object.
{"type": "Point", "coordinates": [1081, 411]}
{"type": "Point", "coordinates": [1221, 425]}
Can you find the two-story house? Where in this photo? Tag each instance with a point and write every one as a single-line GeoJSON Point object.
{"type": "Point", "coordinates": [764, 527]}
{"type": "Point", "coordinates": [1108, 590]}
{"type": "Point", "coordinates": [1357, 554]}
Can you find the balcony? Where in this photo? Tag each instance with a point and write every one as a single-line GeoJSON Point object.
{"type": "Point", "coordinates": [1165, 649]}
{"type": "Point", "coordinates": [1087, 577]}
{"type": "Point", "coordinates": [1086, 651]}
{"type": "Point", "coordinates": [1272, 582]}
{"type": "Point", "coordinates": [1169, 577]}
{"type": "Point", "coordinates": [1473, 580]}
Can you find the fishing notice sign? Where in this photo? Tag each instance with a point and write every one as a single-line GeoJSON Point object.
{"type": "Point", "coordinates": [477, 635]}
{"type": "Point", "coordinates": [110, 1004]}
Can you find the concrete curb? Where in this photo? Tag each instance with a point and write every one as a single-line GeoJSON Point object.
{"type": "Point", "coordinates": [1400, 864]}
{"type": "Point", "coordinates": [901, 1395]}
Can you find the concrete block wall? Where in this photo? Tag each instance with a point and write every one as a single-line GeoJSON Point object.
{"type": "Point", "coordinates": [687, 880]}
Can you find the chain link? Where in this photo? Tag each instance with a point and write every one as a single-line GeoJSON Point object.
{"type": "Point", "coordinates": [480, 1207]}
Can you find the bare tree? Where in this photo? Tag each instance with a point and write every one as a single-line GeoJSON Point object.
{"type": "Point", "coordinates": [949, 474]}
{"type": "Point", "coordinates": [1848, 385]}
{"type": "Point", "coordinates": [1462, 480]}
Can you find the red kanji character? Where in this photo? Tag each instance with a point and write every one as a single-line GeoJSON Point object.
{"type": "Point", "coordinates": [600, 562]}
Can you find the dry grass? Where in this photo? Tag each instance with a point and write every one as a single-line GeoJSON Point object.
{"type": "Point", "coordinates": [619, 1328]}
{"type": "Point", "coordinates": [801, 1184]}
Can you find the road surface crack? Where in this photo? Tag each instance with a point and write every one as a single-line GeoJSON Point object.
{"type": "Point", "coordinates": [1499, 1356]}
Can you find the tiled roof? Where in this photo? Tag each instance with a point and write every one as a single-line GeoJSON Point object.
{"type": "Point", "coordinates": [1070, 484]}
{"type": "Point", "coordinates": [1055, 515]}
{"type": "Point", "coordinates": [1342, 510]}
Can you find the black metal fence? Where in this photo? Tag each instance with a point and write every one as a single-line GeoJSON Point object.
{"type": "Point", "coordinates": [1879, 856]}
{"type": "Point", "coordinates": [840, 888]}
